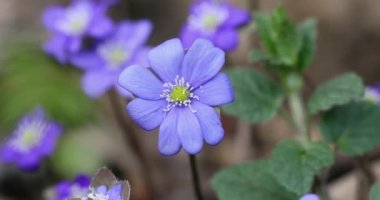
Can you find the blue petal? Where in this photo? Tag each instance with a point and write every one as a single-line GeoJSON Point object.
{"type": "Point", "coordinates": [147, 114]}
{"type": "Point", "coordinates": [115, 192]}
{"type": "Point", "coordinates": [168, 139]}
{"type": "Point", "coordinates": [135, 33]}
{"type": "Point", "coordinates": [166, 59]}
{"type": "Point", "coordinates": [188, 35]}
{"type": "Point", "coordinates": [50, 16]}
{"type": "Point", "coordinates": [202, 62]}
{"type": "Point", "coordinates": [226, 39]}
{"type": "Point", "coordinates": [140, 56]}
{"type": "Point", "coordinates": [237, 17]}
{"type": "Point", "coordinates": [87, 60]}
{"type": "Point", "coordinates": [189, 131]}
{"type": "Point", "coordinates": [101, 190]}
{"type": "Point", "coordinates": [102, 26]}
{"type": "Point", "coordinates": [212, 129]}
{"type": "Point", "coordinates": [216, 92]}
{"type": "Point", "coordinates": [55, 47]}
{"type": "Point", "coordinates": [310, 197]}
{"type": "Point", "coordinates": [96, 82]}
{"type": "Point", "coordinates": [141, 82]}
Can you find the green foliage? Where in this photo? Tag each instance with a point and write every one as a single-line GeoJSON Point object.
{"type": "Point", "coordinates": [338, 91]}
{"type": "Point", "coordinates": [354, 128]}
{"type": "Point", "coordinates": [29, 79]}
{"type": "Point", "coordinates": [251, 181]}
{"type": "Point", "coordinates": [73, 155]}
{"type": "Point", "coordinates": [288, 47]}
{"type": "Point", "coordinates": [257, 98]}
{"type": "Point", "coordinates": [294, 165]}
{"type": "Point", "coordinates": [375, 192]}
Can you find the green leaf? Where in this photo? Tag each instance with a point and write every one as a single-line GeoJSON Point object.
{"type": "Point", "coordinates": [375, 191]}
{"type": "Point", "coordinates": [257, 98]}
{"type": "Point", "coordinates": [250, 181]}
{"type": "Point", "coordinates": [338, 91]}
{"type": "Point", "coordinates": [295, 165]}
{"type": "Point", "coordinates": [31, 79]}
{"type": "Point", "coordinates": [308, 34]}
{"type": "Point", "coordinates": [354, 128]}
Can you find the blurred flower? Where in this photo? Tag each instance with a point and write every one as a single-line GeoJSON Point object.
{"type": "Point", "coordinates": [66, 190]}
{"type": "Point", "coordinates": [181, 99]}
{"type": "Point", "coordinates": [372, 94]}
{"type": "Point", "coordinates": [215, 21]}
{"type": "Point", "coordinates": [310, 197]}
{"type": "Point", "coordinates": [34, 139]}
{"type": "Point", "coordinates": [123, 48]}
{"type": "Point", "coordinates": [70, 25]}
{"type": "Point", "coordinates": [105, 186]}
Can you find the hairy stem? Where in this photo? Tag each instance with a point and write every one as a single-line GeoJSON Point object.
{"type": "Point", "coordinates": [299, 116]}
{"type": "Point", "coordinates": [195, 175]}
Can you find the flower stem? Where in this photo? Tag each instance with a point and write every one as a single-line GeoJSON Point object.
{"type": "Point", "coordinates": [298, 115]}
{"type": "Point", "coordinates": [195, 175]}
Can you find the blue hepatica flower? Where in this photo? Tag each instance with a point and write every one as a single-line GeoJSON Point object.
{"type": "Point", "coordinates": [34, 139]}
{"type": "Point", "coordinates": [70, 25]}
{"type": "Point", "coordinates": [123, 48]}
{"type": "Point", "coordinates": [215, 21]}
{"type": "Point", "coordinates": [66, 190]}
{"type": "Point", "coordinates": [310, 197]}
{"type": "Point", "coordinates": [104, 193]}
{"type": "Point", "coordinates": [180, 99]}
{"type": "Point", "coordinates": [372, 94]}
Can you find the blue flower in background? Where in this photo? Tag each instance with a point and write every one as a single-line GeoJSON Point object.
{"type": "Point", "coordinates": [180, 99]}
{"type": "Point", "coordinates": [215, 21]}
{"type": "Point", "coordinates": [104, 193]}
{"type": "Point", "coordinates": [310, 197]}
{"type": "Point", "coordinates": [372, 94]}
{"type": "Point", "coordinates": [34, 139]}
{"type": "Point", "coordinates": [123, 48]}
{"type": "Point", "coordinates": [68, 26]}
{"type": "Point", "coordinates": [66, 190]}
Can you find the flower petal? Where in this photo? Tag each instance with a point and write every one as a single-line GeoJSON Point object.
{"type": "Point", "coordinates": [55, 47]}
{"type": "Point", "coordinates": [123, 92]}
{"type": "Point", "coordinates": [227, 39]}
{"type": "Point", "coordinates": [147, 114]}
{"type": "Point", "coordinates": [135, 33]}
{"type": "Point", "coordinates": [86, 60]}
{"type": "Point", "coordinates": [216, 92]}
{"type": "Point", "coordinates": [96, 82]}
{"type": "Point", "coordinates": [168, 139]}
{"type": "Point", "coordinates": [141, 82]}
{"type": "Point", "coordinates": [140, 57]}
{"type": "Point", "coordinates": [237, 17]}
{"type": "Point", "coordinates": [100, 27]}
{"type": "Point", "coordinates": [115, 192]}
{"type": "Point", "coordinates": [202, 62]}
{"type": "Point", "coordinates": [101, 190]}
{"type": "Point", "coordinates": [188, 35]}
{"type": "Point", "coordinates": [166, 59]}
{"type": "Point", "coordinates": [211, 126]}
{"type": "Point", "coordinates": [50, 16]}
{"type": "Point", "coordinates": [189, 131]}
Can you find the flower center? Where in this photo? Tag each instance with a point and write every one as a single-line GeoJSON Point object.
{"type": "Point", "coordinates": [207, 17]}
{"type": "Point", "coordinates": [178, 93]}
{"type": "Point", "coordinates": [75, 20]}
{"type": "Point", "coordinates": [114, 53]}
{"type": "Point", "coordinates": [28, 136]}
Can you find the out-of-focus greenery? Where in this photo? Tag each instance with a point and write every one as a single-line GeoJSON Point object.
{"type": "Point", "coordinates": [29, 78]}
{"type": "Point", "coordinates": [73, 156]}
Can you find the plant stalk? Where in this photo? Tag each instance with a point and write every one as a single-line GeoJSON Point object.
{"type": "Point", "coordinates": [195, 175]}
{"type": "Point", "coordinates": [299, 117]}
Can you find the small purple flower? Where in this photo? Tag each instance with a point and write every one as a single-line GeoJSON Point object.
{"type": "Point", "coordinates": [310, 197]}
{"type": "Point", "coordinates": [372, 94]}
{"type": "Point", "coordinates": [70, 25]}
{"type": "Point", "coordinates": [103, 65]}
{"type": "Point", "coordinates": [66, 190]}
{"type": "Point", "coordinates": [180, 99]}
{"type": "Point", "coordinates": [34, 139]}
{"type": "Point", "coordinates": [215, 21]}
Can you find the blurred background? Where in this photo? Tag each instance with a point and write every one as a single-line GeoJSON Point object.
{"type": "Point", "coordinates": [95, 130]}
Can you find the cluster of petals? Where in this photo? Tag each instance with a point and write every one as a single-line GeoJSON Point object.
{"type": "Point", "coordinates": [184, 119]}
{"type": "Point", "coordinates": [217, 21]}
{"type": "Point", "coordinates": [34, 138]}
